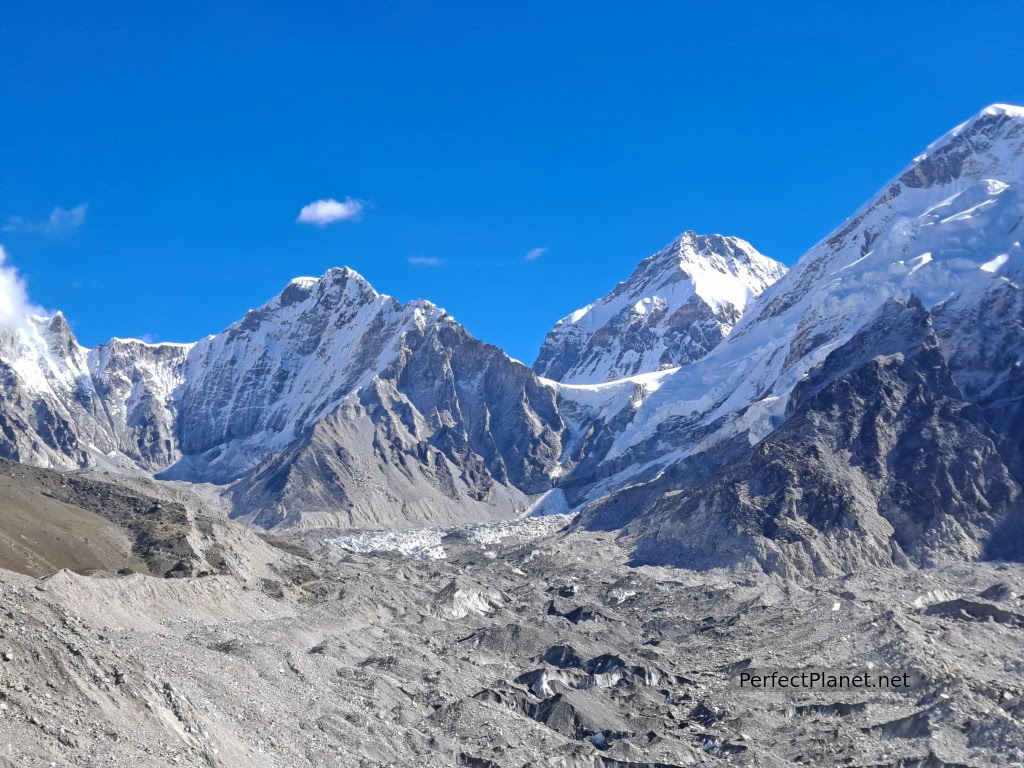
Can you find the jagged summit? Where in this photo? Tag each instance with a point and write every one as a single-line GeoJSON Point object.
{"type": "Point", "coordinates": [989, 145]}
{"type": "Point", "coordinates": [990, 120]}
{"type": "Point", "coordinates": [338, 286]}
{"type": "Point", "coordinates": [677, 305]}
{"type": "Point", "coordinates": [709, 261]}
{"type": "Point", "coordinates": [337, 283]}
{"type": "Point", "coordinates": [1003, 109]}
{"type": "Point", "coordinates": [131, 341]}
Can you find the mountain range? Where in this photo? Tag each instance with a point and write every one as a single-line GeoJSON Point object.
{"type": "Point", "coordinates": [715, 409]}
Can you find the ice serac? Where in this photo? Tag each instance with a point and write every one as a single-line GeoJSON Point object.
{"type": "Point", "coordinates": [676, 307]}
{"type": "Point", "coordinates": [944, 240]}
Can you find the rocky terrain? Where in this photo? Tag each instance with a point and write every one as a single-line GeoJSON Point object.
{"type": "Point", "coordinates": [107, 524]}
{"type": "Point", "coordinates": [549, 651]}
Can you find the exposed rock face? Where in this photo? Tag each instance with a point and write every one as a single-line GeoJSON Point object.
{"type": "Point", "coordinates": [982, 337]}
{"type": "Point", "coordinates": [881, 461]}
{"type": "Point", "coordinates": [267, 379]}
{"type": "Point", "coordinates": [335, 405]}
{"type": "Point", "coordinates": [675, 308]}
{"type": "Point", "coordinates": [50, 413]}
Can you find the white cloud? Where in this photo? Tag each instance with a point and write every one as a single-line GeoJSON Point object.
{"type": "Point", "coordinates": [535, 253]}
{"type": "Point", "coordinates": [15, 306]}
{"type": "Point", "coordinates": [59, 221]}
{"type": "Point", "coordinates": [424, 261]}
{"type": "Point", "coordinates": [324, 212]}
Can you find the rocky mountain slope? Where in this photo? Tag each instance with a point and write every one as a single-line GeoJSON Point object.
{"type": "Point", "coordinates": [880, 462]}
{"type": "Point", "coordinates": [66, 406]}
{"type": "Point", "coordinates": [674, 309]}
{"type": "Point", "coordinates": [806, 424]}
{"type": "Point", "coordinates": [103, 524]}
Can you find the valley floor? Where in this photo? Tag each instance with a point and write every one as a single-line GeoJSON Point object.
{"type": "Point", "coordinates": [546, 652]}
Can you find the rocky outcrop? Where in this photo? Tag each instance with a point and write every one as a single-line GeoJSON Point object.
{"type": "Point", "coordinates": [136, 382]}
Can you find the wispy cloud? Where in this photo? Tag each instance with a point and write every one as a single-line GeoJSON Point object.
{"type": "Point", "coordinates": [424, 261]}
{"type": "Point", "coordinates": [324, 212]}
{"type": "Point", "coordinates": [15, 306]}
{"type": "Point", "coordinates": [534, 253]}
{"type": "Point", "coordinates": [60, 220]}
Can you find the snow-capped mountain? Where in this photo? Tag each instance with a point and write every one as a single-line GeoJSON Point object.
{"type": "Point", "coordinates": [329, 405]}
{"type": "Point", "coordinates": [336, 405]}
{"type": "Point", "coordinates": [46, 391]}
{"type": "Point", "coordinates": [66, 406]}
{"type": "Point", "coordinates": [866, 407]}
{"type": "Point", "coordinates": [675, 308]}
{"type": "Point", "coordinates": [945, 236]}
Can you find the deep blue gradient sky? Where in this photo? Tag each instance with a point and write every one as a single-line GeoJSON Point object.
{"type": "Point", "coordinates": [474, 132]}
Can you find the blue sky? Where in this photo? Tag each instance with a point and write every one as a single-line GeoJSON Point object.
{"type": "Point", "coordinates": [156, 156]}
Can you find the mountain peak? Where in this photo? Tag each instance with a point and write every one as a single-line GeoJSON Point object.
{"type": "Point", "coordinates": [335, 281]}
{"type": "Point", "coordinates": [720, 252]}
{"type": "Point", "coordinates": [989, 145]}
{"type": "Point", "coordinates": [345, 277]}
{"type": "Point", "coordinates": [1011, 110]}
{"type": "Point", "coordinates": [59, 333]}
{"type": "Point", "coordinates": [343, 273]}
{"type": "Point", "coordinates": [721, 269]}
{"type": "Point", "coordinates": [677, 305]}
